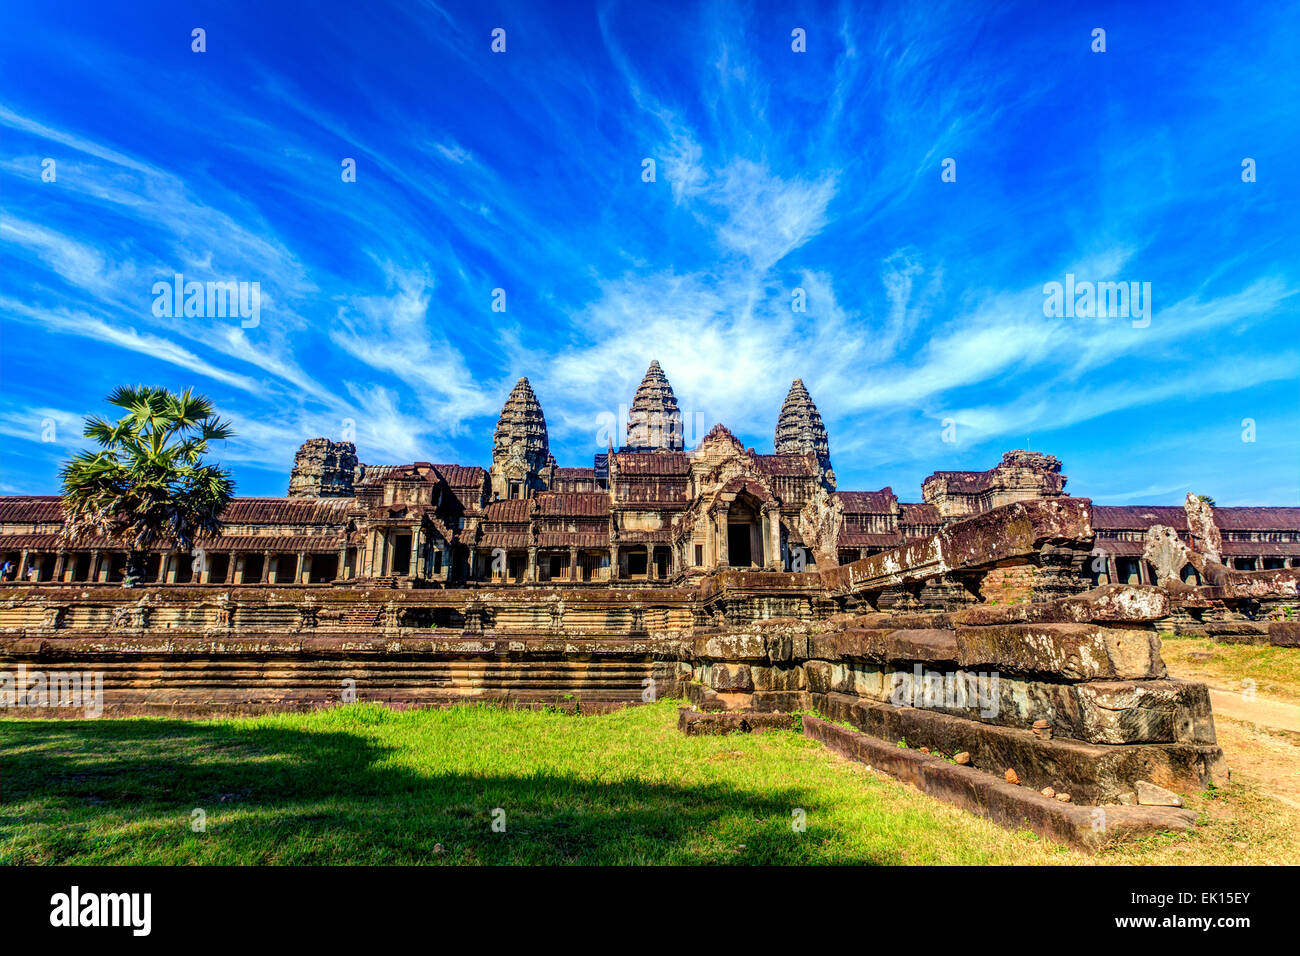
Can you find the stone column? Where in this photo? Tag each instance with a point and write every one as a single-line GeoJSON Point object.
{"type": "Point", "coordinates": [266, 567]}
{"type": "Point", "coordinates": [573, 564]}
{"type": "Point", "coordinates": [1058, 573]}
{"type": "Point", "coordinates": [92, 574]}
{"type": "Point", "coordinates": [60, 559]}
{"type": "Point", "coordinates": [299, 567]}
{"type": "Point", "coordinates": [531, 573]}
{"type": "Point", "coordinates": [22, 565]}
{"type": "Point", "coordinates": [613, 563]}
{"type": "Point", "coordinates": [724, 541]}
{"type": "Point", "coordinates": [341, 572]}
{"type": "Point", "coordinates": [650, 570]}
{"type": "Point", "coordinates": [230, 567]}
{"type": "Point", "coordinates": [415, 565]}
{"type": "Point", "coordinates": [163, 561]}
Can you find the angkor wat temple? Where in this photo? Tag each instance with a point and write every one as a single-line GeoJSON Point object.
{"type": "Point", "coordinates": [647, 513]}
{"type": "Point", "coordinates": [997, 619]}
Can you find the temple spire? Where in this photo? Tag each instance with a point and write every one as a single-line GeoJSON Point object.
{"type": "Point", "coordinates": [520, 448]}
{"type": "Point", "coordinates": [654, 420]}
{"type": "Point", "coordinates": [799, 428]}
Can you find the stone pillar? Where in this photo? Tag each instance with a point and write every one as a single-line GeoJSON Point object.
{"type": "Point", "coordinates": [299, 567]}
{"type": "Point", "coordinates": [650, 570]}
{"type": "Point", "coordinates": [266, 567]}
{"type": "Point", "coordinates": [341, 572]}
{"type": "Point", "coordinates": [163, 561]}
{"type": "Point", "coordinates": [1059, 572]}
{"type": "Point", "coordinates": [92, 574]}
{"type": "Point", "coordinates": [613, 563]}
{"type": "Point", "coordinates": [60, 559]}
{"type": "Point", "coordinates": [22, 565]}
{"type": "Point", "coordinates": [948, 592]}
{"type": "Point", "coordinates": [415, 565]}
{"type": "Point", "coordinates": [230, 567]}
{"type": "Point", "coordinates": [531, 573]}
{"type": "Point", "coordinates": [724, 542]}
{"type": "Point", "coordinates": [573, 564]}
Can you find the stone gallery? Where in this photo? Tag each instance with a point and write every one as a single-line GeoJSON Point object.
{"type": "Point", "coordinates": [1007, 631]}
{"type": "Point", "coordinates": [648, 513]}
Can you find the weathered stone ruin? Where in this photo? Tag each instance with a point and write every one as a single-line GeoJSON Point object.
{"type": "Point", "coordinates": [1006, 632]}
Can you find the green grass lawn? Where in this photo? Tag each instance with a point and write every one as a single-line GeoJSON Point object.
{"type": "Point", "coordinates": [363, 784]}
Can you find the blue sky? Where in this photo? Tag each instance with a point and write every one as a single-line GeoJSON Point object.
{"type": "Point", "coordinates": [775, 170]}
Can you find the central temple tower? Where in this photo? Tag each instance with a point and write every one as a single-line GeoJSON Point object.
{"type": "Point", "coordinates": [520, 448]}
{"type": "Point", "coordinates": [654, 421]}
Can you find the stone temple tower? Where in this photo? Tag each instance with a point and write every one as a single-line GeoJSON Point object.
{"type": "Point", "coordinates": [520, 449]}
{"type": "Point", "coordinates": [799, 428]}
{"type": "Point", "coordinates": [654, 421]}
{"type": "Point", "coordinates": [323, 469]}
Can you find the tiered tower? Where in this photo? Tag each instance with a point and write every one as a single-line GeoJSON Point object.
{"type": "Point", "coordinates": [799, 428]}
{"type": "Point", "coordinates": [323, 469]}
{"type": "Point", "coordinates": [520, 449]}
{"type": "Point", "coordinates": [654, 420]}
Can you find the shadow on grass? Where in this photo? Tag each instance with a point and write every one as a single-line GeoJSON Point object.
{"type": "Point", "coordinates": [98, 791]}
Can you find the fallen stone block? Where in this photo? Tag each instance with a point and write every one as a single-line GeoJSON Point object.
{"type": "Point", "coordinates": [1284, 633]}
{"type": "Point", "coordinates": [696, 724]}
{"type": "Point", "coordinates": [1149, 795]}
{"type": "Point", "coordinates": [1092, 773]}
{"type": "Point", "coordinates": [1009, 805]}
{"type": "Point", "coordinates": [1075, 652]}
{"type": "Point", "coordinates": [1110, 603]}
{"type": "Point", "coordinates": [927, 646]}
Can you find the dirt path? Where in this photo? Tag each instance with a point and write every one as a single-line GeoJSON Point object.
{"type": "Point", "coordinates": [1254, 709]}
{"type": "Point", "coordinates": [1260, 735]}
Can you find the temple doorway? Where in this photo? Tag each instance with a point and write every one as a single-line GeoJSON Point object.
{"type": "Point", "coordinates": [744, 535]}
{"type": "Point", "coordinates": [738, 551]}
{"type": "Point", "coordinates": [401, 555]}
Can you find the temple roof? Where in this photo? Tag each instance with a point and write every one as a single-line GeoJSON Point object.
{"type": "Point", "coordinates": [652, 463]}
{"type": "Point", "coordinates": [868, 502]}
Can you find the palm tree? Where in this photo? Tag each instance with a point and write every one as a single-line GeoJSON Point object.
{"type": "Point", "coordinates": [148, 485]}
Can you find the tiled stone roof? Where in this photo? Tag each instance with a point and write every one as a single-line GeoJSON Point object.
{"type": "Point", "coordinates": [868, 502]}
{"type": "Point", "coordinates": [651, 463]}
